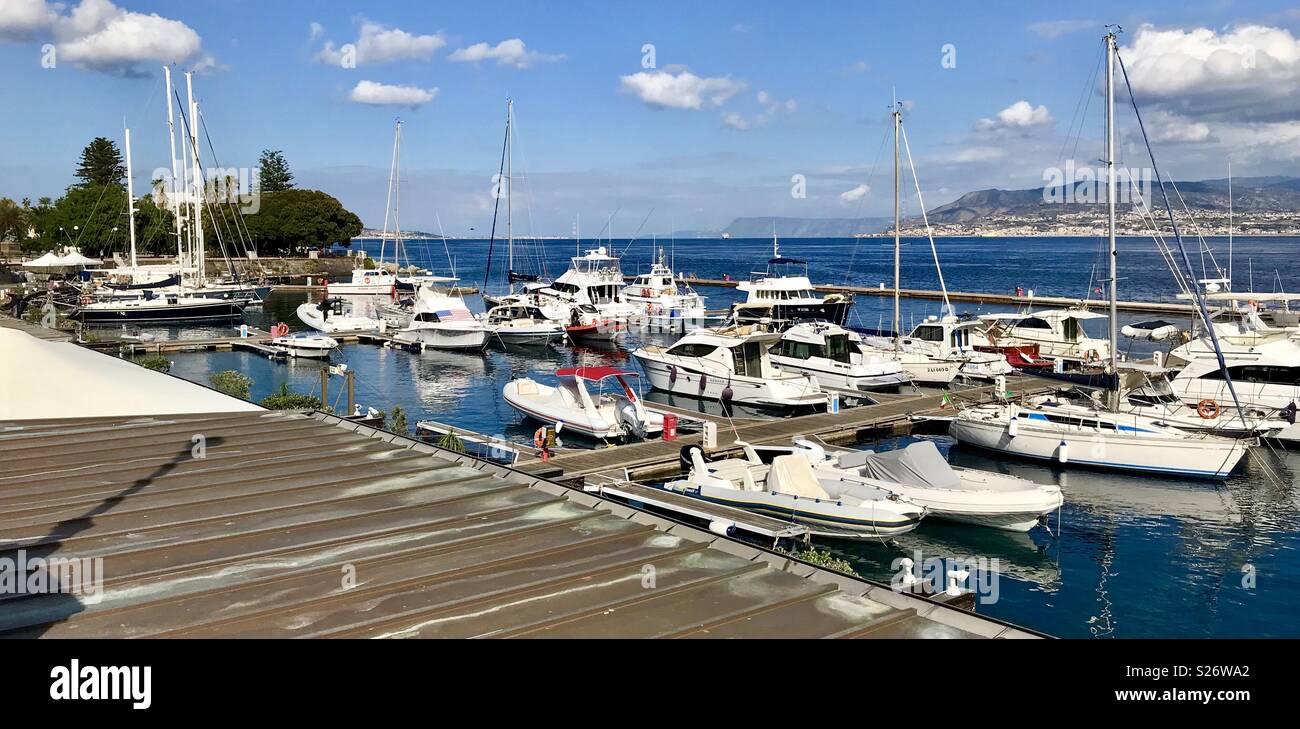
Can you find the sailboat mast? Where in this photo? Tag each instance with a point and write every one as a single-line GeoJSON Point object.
{"type": "Point", "coordinates": [1229, 225]}
{"type": "Point", "coordinates": [1110, 216]}
{"type": "Point", "coordinates": [898, 317]}
{"type": "Point", "coordinates": [175, 189]}
{"type": "Point", "coordinates": [197, 219]}
{"type": "Point", "coordinates": [510, 212]}
{"type": "Point", "coordinates": [397, 198]}
{"type": "Point", "coordinates": [130, 199]}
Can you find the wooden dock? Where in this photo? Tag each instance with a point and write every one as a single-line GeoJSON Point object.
{"type": "Point", "coordinates": [1147, 307]}
{"type": "Point", "coordinates": [655, 458]}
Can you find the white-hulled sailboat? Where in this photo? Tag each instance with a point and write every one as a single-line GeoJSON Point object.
{"type": "Point", "coordinates": [1049, 428]}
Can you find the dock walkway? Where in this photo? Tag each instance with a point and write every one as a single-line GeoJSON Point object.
{"type": "Point", "coordinates": [659, 457]}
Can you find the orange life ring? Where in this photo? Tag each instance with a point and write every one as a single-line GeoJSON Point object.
{"type": "Point", "coordinates": [1207, 409]}
{"type": "Point", "coordinates": [645, 292]}
{"type": "Point", "coordinates": [539, 438]}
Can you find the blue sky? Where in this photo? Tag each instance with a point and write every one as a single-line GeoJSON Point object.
{"type": "Point", "coordinates": [741, 97]}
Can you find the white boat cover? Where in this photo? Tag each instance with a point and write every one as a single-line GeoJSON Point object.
{"type": "Point", "coordinates": [919, 464]}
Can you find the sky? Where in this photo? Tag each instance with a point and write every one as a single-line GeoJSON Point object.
{"type": "Point", "coordinates": [648, 117]}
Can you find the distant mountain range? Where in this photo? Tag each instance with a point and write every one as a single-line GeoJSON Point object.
{"type": "Point", "coordinates": [1250, 195]}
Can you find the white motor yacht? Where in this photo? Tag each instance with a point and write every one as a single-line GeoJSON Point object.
{"type": "Point", "coordinates": [784, 294]}
{"type": "Point", "coordinates": [442, 321]}
{"type": "Point", "coordinates": [336, 315]}
{"type": "Point", "coordinates": [1058, 334]}
{"type": "Point", "coordinates": [731, 365]}
{"type": "Point", "coordinates": [521, 324]}
{"type": "Point", "coordinates": [824, 351]}
{"type": "Point", "coordinates": [306, 345]}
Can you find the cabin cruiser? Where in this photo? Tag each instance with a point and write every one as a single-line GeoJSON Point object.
{"type": "Point", "coordinates": [442, 321]}
{"type": "Point", "coordinates": [731, 365]}
{"type": "Point", "coordinates": [920, 366]}
{"type": "Point", "coordinates": [780, 483]}
{"type": "Point", "coordinates": [1263, 362]}
{"type": "Point", "coordinates": [151, 308]}
{"type": "Point", "coordinates": [658, 294]}
{"type": "Point", "coordinates": [336, 315]}
{"type": "Point", "coordinates": [522, 325]}
{"type": "Point", "coordinates": [1049, 427]}
{"type": "Point", "coordinates": [824, 351]}
{"type": "Point", "coordinates": [364, 282]}
{"type": "Point", "coordinates": [593, 279]}
{"type": "Point", "coordinates": [784, 294]}
{"type": "Point", "coordinates": [920, 474]}
{"type": "Point", "coordinates": [615, 415]}
{"type": "Point", "coordinates": [306, 345]}
{"type": "Point", "coordinates": [1058, 334]}
{"type": "Point", "coordinates": [949, 339]}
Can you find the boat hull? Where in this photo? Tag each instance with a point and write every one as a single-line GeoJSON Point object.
{"type": "Point", "coordinates": [789, 393]}
{"type": "Point", "coordinates": [446, 337]}
{"type": "Point", "coordinates": [825, 519]}
{"type": "Point", "coordinates": [214, 311]}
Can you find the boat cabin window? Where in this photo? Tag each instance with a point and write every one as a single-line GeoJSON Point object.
{"type": "Point", "coordinates": [604, 294]}
{"type": "Point", "coordinates": [1070, 329]}
{"type": "Point", "coordinates": [1032, 322]}
{"type": "Point", "coordinates": [564, 288]}
{"type": "Point", "coordinates": [748, 359]}
{"type": "Point", "coordinates": [1260, 374]}
{"type": "Point", "coordinates": [428, 316]}
{"type": "Point", "coordinates": [837, 347]}
{"type": "Point", "coordinates": [929, 333]}
{"type": "Point", "coordinates": [693, 349]}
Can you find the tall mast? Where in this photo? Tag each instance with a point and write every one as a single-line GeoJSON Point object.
{"type": "Point", "coordinates": [510, 213]}
{"type": "Point", "coordinates": [1229, 225]}
{"type": "Point", "coordinates": [776, 249]}
{"type": "Point", "coordinates": [388, 201]}
{"type": "Point", "coordinates": [197, 220]}
{"type": "Point", "coordinates": [175, 191]}
{"type": "Point", "coordinates": [898, 318]}
{"type": "Point", "coordinates": [1110, 216]}
{"type": "Point", "coordinates": [130, 199]}
{"type": "Point", "coordinates": [397, 198]}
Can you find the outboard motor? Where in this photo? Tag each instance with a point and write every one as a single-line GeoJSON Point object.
{"type": "Point", "coordinates": [685, 459]}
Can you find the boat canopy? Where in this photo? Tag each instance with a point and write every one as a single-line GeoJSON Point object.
{"type": "Point", "coordinates": [1156, 330]}
{"type": "Point", "coordinates": [594, 374]}
{"type": "Point", "coordinates": [919, 464]}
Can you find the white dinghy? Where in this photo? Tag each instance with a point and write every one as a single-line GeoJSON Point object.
{"type": "Point", "coordinates": [618, 415]}
{"type": "Point", "coordinates": [920, 474]}
{"type": "Point", "coordinates": [335, 315]}
{"type": "Point", "coordinates": [306, 345]}
{"type": "Point", "coordinates": [781, 483]}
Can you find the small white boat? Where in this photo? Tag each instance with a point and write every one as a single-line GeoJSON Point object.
{"type": "Point", "coordinates": [520, 324]}
{"type": "Point", "coordinates": [824, 351]}
{"type": "Point", "coordinates": [442, 321]}
{"type": "Point", "coordinates": [364, 282]}
{"type": "Point", "coordinates": [919, 473]}
{"type": "Point", "coordinates": [730, 365]}
{"type": "Point", "coordinates": [306, 345]}
{"type": "Point", "coordinates": [616, 415]}
{"type": "Point", "coordinates": [335, 315]}
{"type": "Point", "coordinates": [782, 484]}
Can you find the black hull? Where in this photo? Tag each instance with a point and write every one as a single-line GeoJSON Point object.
{"type": "Point", "coordinates": [836, 312]}
{"type": "Point", "coordinates": [216, 311]}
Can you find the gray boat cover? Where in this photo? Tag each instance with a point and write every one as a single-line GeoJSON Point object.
{"type": "Point", "coordinates": [919, 464]}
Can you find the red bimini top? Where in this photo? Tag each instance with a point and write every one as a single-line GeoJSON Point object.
{"type": "Point", "coordinates": [594, 374]}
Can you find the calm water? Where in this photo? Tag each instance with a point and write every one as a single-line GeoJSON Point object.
{"type": "Point", "coordinates": [1134, 557]}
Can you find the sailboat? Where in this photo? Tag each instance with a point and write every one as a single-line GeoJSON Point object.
{"type": "Point", "coordinates": [920, 363]}
{"type": "Point", "coordinates": [171, 307]}
{"type": "Point", "coordinates": [1051, 428]}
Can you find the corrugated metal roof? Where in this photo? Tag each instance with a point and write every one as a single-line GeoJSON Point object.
{"type": "Point", "coordinates": [259, 537]}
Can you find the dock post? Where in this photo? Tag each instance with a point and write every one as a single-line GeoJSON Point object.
{"type": "Point", "coordinates": [352, 389]}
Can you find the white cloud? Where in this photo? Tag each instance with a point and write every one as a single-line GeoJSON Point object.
{"type": "Point", "coordinates": [1251, 71]}
{"type": "Point", "coordinates": [374, 93]}
{"type": "Point", "coordinates": [316, 30]}
{"type": "Point", "coordinates": [854, 195]}
{"type": "Point", "coordinates": [377, 43]}
{"type": "Point", "coordinates": [735, 120]}
{"type": "Point", "coordinates": [858, 67]}
{"type": "Point", "coordinates": [1166, 127]}
{"type": "Point", "coordinates": [974, 154]}
{"type": "Point", "coordinates": [680, 89]}
{"type": "Point", "coordinates": [22, 19]}
{"type": "Point", "coordinates": [510, 52]}
{"type": "Point", "coordinates": [1020, 116]}
{"type": "Point", "coordinates": [98, 35]}
{"type": "Point", "coordinates": [1052, 29]}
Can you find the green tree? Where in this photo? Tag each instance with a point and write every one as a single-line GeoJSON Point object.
{"type": "Point", "coordinates": [291, 220]}
{"type": "Point", "coordinates": [95, 219]}
{"type": "Point", "coordinates": [397, 421]}
{"type": "Point", "coordinates": [13, 220]}
{"type": "Point", "coordinates": [101, 164]}
{"type": "Point", "coordinates": [273, 174]}
{"type": "Point", "coordinates": [232, 383]}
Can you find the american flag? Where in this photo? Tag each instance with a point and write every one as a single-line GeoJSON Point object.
{"type": "Point", "coordinates": [454, 315]}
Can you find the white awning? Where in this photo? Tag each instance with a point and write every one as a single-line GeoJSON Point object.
{"type": "Point", "coordinates": [76, 259]}
{"type": "Point", "coordinates": [49, 260]}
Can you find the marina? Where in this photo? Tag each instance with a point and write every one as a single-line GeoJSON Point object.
{"type": "Point", "coordinates": [548, 391]}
